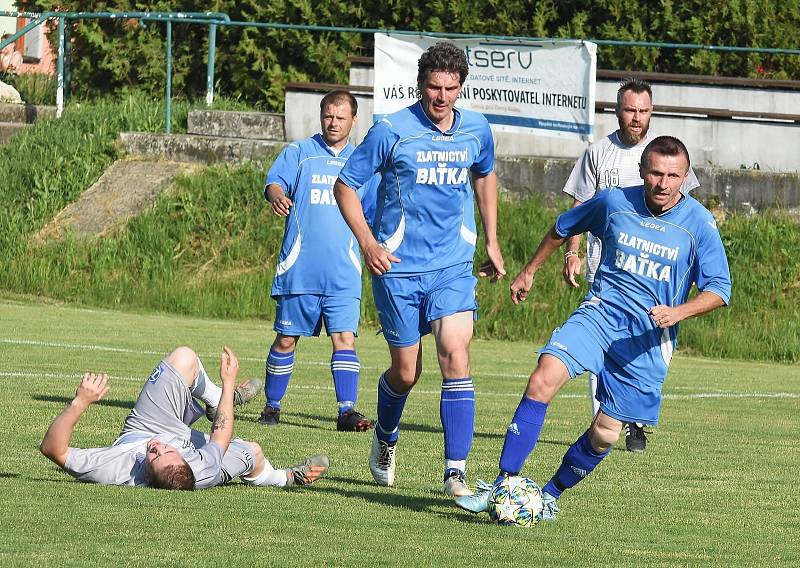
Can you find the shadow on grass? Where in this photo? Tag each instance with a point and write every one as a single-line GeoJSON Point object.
{"type": "Point", "coordinates": [404, 426]}
{"type": "Point", "coordinates": [8, 475]}
{"type": "Point", "coordinates": [384, 496]}
{"type": "Point", "coordinates": [66, 400]}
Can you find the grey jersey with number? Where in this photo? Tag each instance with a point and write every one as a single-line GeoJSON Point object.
{"type": "Point", "coordinates": [609, 163]}
{"type": "Point", "coordinates": [164, 410]}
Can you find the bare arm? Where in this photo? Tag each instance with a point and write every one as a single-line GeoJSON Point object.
{"type": "Point", "coordinates": [572, 262]}
{"type": "Point", "coordinates": [277, 198]}
{"type": "Point", "coordinates": [486, 196]}
{"type": "Point", "coordinates": [377, 259]}
{"type": "Point", "coordinates": [55, 445]}
{"type": "Point", "coordinates": [523, 282]}
{"type": "Point", "coordinates": [222, 428]}
{"type": "Point", "coordinates": [704, 302]}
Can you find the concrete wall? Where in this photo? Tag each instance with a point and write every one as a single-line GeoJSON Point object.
{"type": "Point", "coordinates": [302, 115]}
{"type": "Point", "coordinates": [746, 191]}
{"type": "Point", "coordinates": [728, 144]}
{"type": "Point", "coordinates": [541, 165]}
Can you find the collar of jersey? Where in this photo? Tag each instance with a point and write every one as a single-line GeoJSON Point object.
{"type": "Point", "coordinates": [321, 141]}
{"type": "Point", "coordinates": [620, 144]}
{"type": "Point", "coordinates": [675, 207]}
{"type": "Point", "coordinates": [425, 119]}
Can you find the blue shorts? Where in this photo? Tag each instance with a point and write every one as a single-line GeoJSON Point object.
{"type": "Point", "coordinates": [302, 314]}
{"type": "Point", "coordinates": [407, 304]}
{"type": "Point", "coordinates": [628, 355]}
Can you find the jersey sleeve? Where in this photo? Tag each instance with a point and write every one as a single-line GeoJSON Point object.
{"type": "Point", "coordinates": [582, 181]}
{"type": "Point", "coordinates": [370, 156]}
{"type": "Point", "coordinates": [712, 273]}
{"type": "Point", "coordinates": [484, 164]}
{"type": "Point", "coordinates": [588, 216]}
{"type": "Point", "coordinates": [284, 170]}
{"type": "Point", "coordinates": [106, 466]}
{"type": "Point", "coordinates": [208, 469]}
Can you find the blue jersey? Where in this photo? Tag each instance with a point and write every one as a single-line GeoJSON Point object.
{"type": "Point", "coordinates": [648, 259]}
{"type": "Point", "coordinates": [424, 212]}
{"type": "Point", "coordinates": [319, 254]}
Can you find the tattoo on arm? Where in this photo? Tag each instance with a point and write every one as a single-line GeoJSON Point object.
{"type": "Point", "coordinates": [219, 422]}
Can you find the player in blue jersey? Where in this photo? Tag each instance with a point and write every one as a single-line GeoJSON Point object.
{"type": "Point", "coordinates": [318, 277]}
{"type": "Point", "coordinates": [657, 244]}
{"type": "Point", "coordinates": [429, 156]}
{"type": "Point", "coordinates": [613, 162]}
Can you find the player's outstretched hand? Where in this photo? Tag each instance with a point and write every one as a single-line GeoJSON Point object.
{"type": "Point", "coordinates": [93, 387]}
{"type": "Point", "coordinates": [378, 259]}
{"type": "Point", "coordinates": [664, 316]}
{"type": "Point", "coordinates": [281, 206]}
{"type": "Point", "coordinates": [520, 286]}
{"type": "Point", "coordinates": [228, 367]}
{"type": "Point", "coordinates": [572, 268]}
{"type": "Point", "coordinates": [494, 267]}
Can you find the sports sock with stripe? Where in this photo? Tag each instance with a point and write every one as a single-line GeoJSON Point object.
{"type": "Point", "coordinates": [345, 368]}
{"type": "Point", "coordinates": [579, 461]}
{"type": "Point", "coordinates": [390, 409]}
{"type": "Point", "coordinates": [279, 372]}
{"type": "Point", "coordinates": [457, 413]}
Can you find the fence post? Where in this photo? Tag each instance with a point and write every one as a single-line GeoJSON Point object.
{"type": "Point", "coordinates": [60, 69]}
{"type": "Point", "coordinates": [67, 60]}
{"type": "Point", "coordinates": [212, 48]}
{"type": "Point", "coordinates": [169, 77]}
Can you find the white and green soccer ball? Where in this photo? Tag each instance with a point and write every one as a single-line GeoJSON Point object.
{"type": "Point", "coordinates": [517, 501]}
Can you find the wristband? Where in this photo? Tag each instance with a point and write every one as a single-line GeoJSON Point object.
{"type": "Point", "coordinates": [570, 253]}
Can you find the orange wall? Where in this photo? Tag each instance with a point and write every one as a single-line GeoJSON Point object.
{"type": "Point", "coordinates": [47, 63]}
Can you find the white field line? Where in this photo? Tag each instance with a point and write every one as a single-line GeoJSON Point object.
{"type": "Point", "coordinates": [106, 348]}
{"type": "Point", "coordinates": [479, 391]}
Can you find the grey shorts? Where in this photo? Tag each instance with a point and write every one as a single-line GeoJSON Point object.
{"type": "Point", "coordinates": [166, 406]}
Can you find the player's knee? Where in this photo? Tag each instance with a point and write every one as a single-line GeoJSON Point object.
{"type": "Point", "coordinates": [602, 435]}
{"type": "Point", "coordinates": [184, 360]}
{"type": "Point", "coordinates": [454, 363]}
{"type": "Point", "coordinates": [258, 453]}
{"type": "Point", "coordinates": [547, 379]}
{"type": "Point", "coordinates": [344, 341]}
{"type": "Point", "coordinates": [540, 388]}
{"type": "Point", "coordinates": [258, 460]}
{"type": "Point", "coordinates": [403, 377]}
{"type": "Point", "coordinates": [284, 343]}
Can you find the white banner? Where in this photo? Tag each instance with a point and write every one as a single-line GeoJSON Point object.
{"type": "Point", "coordinates": [535, 87]}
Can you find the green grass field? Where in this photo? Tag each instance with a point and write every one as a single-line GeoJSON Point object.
{"type": "Point", "coordinates": [715, 488]}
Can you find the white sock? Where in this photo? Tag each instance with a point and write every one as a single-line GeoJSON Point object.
{"type": "Point", "coordinates": [460, 465]}
{"type": "Point", "coordinates": [593, 394]}
{"type": "Point", "coordinates": [269, 477]}
{"type": "Point", "coordinates": [204, 389]}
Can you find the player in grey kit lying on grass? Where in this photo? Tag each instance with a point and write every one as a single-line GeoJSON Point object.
{"type": "Point", "coordinates": [157, 446]}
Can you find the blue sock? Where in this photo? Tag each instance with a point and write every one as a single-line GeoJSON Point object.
{"type": "Point", "coordinates": [390, 409]}
{"type": "Point", "coordinates": [522, 434]}
{"type": "Point", "coordinates": [457, 412]}
{"type": "Point", "coordinates": [579, 461]}
{"type": "Point", "coordinates": [279, 372]}
{"type": "Point", "coordinates": [345, 368]}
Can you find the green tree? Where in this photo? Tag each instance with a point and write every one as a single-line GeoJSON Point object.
{"type": "Point", "coordinates": [255, 63]}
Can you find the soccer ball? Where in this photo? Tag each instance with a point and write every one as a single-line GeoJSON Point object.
{"type": "Point", "coordinates": [515, 502]}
